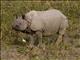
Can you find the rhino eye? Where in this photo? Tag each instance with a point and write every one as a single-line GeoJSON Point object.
{"type": "Point", "coordinates": [19, 23]}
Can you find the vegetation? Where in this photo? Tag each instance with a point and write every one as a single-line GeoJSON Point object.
{"type": "Point", "coordinates": [12, 46]}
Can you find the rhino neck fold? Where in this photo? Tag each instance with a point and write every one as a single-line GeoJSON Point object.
{"type": "Point", "coordinates": [28, 29]}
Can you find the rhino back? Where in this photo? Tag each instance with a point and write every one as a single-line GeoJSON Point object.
{"type": "Point", "coordinates": [48, 21]}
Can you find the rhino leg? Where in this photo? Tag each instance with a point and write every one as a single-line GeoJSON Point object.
{"type": "Point", "coordinates": [39, 36]}
{"type": "Point", "coordinates": [60, 37]}
{"type": "Point", "coordinates": [31, 40]}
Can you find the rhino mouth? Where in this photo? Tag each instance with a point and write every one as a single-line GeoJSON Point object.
{"type": "Point", "coordinates": [13, 28]}
{"type": "Point", "coordinates": [27, 30]}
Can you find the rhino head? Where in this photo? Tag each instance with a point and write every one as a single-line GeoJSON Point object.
{"type": "Point", "coordinates": [20, 24]}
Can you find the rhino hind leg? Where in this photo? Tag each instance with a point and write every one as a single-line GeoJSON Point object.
{"type": "Point", "coordinates": [62, 31]}
{"type": "Point", "coordinates": [60, 37]}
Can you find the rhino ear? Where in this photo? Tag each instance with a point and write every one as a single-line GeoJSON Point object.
{"type": "Point", "coordinates": [16, 16]}
{"type": "Point", "coordinates": [23, 16]}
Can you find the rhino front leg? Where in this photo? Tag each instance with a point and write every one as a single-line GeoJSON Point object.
{"type": "Point", "coordinates": [31, 40]}
{"type": "Point", "coordinates": [39, 36]}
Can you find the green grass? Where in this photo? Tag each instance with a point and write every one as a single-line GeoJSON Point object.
{"type": "Point", "coordinates": [10, 38]}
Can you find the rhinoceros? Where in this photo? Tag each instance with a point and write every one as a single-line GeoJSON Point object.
{"type": "Point", "coordinates": [42, 23]}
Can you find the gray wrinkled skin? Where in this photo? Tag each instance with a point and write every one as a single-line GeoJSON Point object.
{"type": "Point", "coordinates": [44, 23]}
{"type": "Point", "coordinates": [19, 24]}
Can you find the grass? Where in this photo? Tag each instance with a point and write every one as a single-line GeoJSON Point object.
{"type": "Point", "coordinates": [68, 50]}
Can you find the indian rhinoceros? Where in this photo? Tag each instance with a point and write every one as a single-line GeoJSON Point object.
{"type": "Point", "coordinates": [42, 23]}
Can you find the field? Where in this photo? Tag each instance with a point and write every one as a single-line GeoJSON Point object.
{"type": "Point", "coordinates": [12, 48]}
